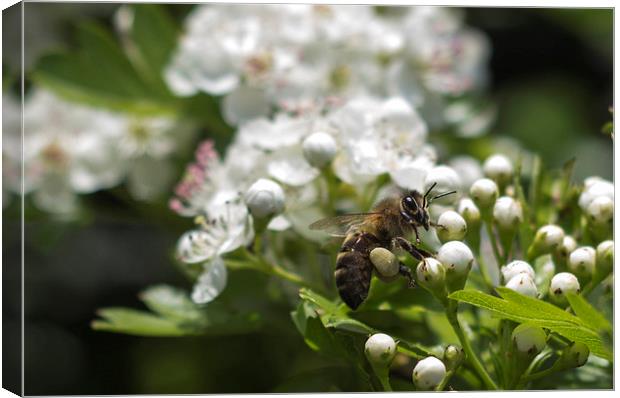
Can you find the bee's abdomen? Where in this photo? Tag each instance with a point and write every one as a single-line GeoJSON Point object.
{"type": "Point", "coordinates": [354, 269]}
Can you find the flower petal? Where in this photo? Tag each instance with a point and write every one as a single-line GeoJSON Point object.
{"type": "Point", "coordinates": [211, 283]}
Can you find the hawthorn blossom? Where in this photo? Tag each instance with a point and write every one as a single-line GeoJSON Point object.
{"type": "Point", "coordinates": [294, 56]}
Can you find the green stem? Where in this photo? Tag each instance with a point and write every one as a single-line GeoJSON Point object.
{"type": "Point", "coordinates": [451, 314]}
{"type": "Point", "coordinates": [384, 378]}
{"type": "Point", "coordinates": [538, 375]}
{"type": "Point", "coordinates": [485, 273]}
{"type": "Point", "coordinates": [445, 380]}
{"type": "Point", "coordinates": [494, 244]}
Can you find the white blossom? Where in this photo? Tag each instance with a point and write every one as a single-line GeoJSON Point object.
{"type": "Point", "coordinates": [319, 149]}
{"type": "Point", "coordinates": [484, 192]}
{"type": "Point", "coordinates": [515, 268]}
{"type": "Point", "coordinates": [582, 261]}
{"type": "Point", "coordinates": [563, 283]}
{"type": "Point", "coordinates": [523, 283]}
{"type": "Point", "coordinates": [264, 198]}
{"type": "Point", "coordinates": [380, 349]}
{"type": "Point", "coordinates": [498, 168]}
{"type": "Point", "coordinates": [429, 373]}
{"type": "Point", "coordinates": [451, 226]}
{"type": "Point", "coordinates": [529, 339]}
{"type": "Point", "coordinates": [507, 213]}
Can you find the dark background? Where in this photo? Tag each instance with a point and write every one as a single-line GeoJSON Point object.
{"type": "Point", "coordinates": [551, 79]}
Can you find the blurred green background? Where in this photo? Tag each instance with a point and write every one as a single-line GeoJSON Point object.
{"type": "Point", "coordinates": [551, 81]}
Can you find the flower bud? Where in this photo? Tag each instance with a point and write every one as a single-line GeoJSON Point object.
{"type": "Point", "coordinates": [529, 339]}
{"type": "Point", "coordinates": [566, 247]}
{"type": "Point", "coordinates": [595, 187]}
{"type": "Point", "coordinates": [601, 210]}
{"type": "Point", "coordinates": [484, 193]}
{"type": "Point", "coordinates": [453, 356]}
{"type": "Point", "coordinates": [524, 284]}
{"type": "Point", "coordinates": [604, 258]}
{"type": "Point", "coordinates": [452, 226]}
{"type": "Point", "coordinates": [469, 211]}
{"type": "Point", "coordinates": [573, 356]}
{"type": "Point", "coordinates": [546, 240]}
{"type": "Point", "coordinates": [428, 373]}
{"type": "Point", "coordinates": [265, 198]}
{"type": "Point", "coordinates": [507, 214]}
{"type": "Point", "coordinates": [582, 261]}
{"type": "Point", "coordinates": [385, 262]}
{"type": "Point", "coordinates": [431, 275]}
{"type": "Point", "coordinates": [561, 284]}
{"type": "Point", "coordinates": [457, 259]}
{"type": "Point", "coordinates": [515, 268]}
{"type": "Point", "coordinates": [498, 168]}
{"type": "Point", "coordinates": [319, 149]}
{"type": "Point", "coordinates": [380, 350]}
{"type": "Point", "coordinates": [447, 180]}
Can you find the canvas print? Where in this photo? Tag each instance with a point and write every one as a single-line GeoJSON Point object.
{"type": "Point", "coordinates": [285, 198]}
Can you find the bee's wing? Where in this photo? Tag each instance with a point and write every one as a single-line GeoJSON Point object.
{"type": "Point", "coordinates": [339, 226]}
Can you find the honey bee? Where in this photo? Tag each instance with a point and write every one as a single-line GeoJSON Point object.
{"type": "Point", "coordinates": [384, 226]}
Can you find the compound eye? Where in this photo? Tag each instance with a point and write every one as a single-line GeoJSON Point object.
{"type": "Point", "coordinates": [410, 203]}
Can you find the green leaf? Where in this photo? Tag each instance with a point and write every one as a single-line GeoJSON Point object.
{"type": "Point", "coordinates": [520, 308]}
{"type": "Point", "coordinates": [99, 74]}
{"type": "Point", "coordinates": [138, 323]}
{"type": "Point", "coordinates": [588, 314]}
{"type": "Point", "coordinates": [171, 303]}
{"type": "Point", "coordinates": [154, 35]}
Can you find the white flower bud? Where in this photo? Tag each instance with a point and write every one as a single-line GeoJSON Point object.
{"type": "Point", "coordinates": [380, 349]}
{"type": "Point", "coordinates": [605, 257]}
{"type": "Point", "coordinates": [582, 261]}
{"type": "Point", "coordinates": [507, 213]}
{"type": "Point", "coordinates": [385, 261]}
{"type": "Point", "coordinates": [452, 226]}
{"type": "Point", "coordinates": [484, 192]}
{"type": "Point", "coordinates": [563, 283]}
{"type": "Point", "coordinates": [498, 168]}
{"type": "Point", "coordinates": [546, 240]}
{"type": "Point", "coordinates": [550, 236]}
{"type": "Point", "coordinates": [456, 256]}
{"type": "Point", "coordinates": [524, 284]}
{"type": "Point", "coordinates": [431, 273]}
{"type": "Point", "coordinates": [469, 211]}
{"type": "Point", "coordinates": [265, 198]}
{"type": "Point", "coordinates": [568, 245]}
{"type": "Point", "coordinates": [447, 180]}
{"type": "Point", "coordinates": [595, 187]}
{"type": "Point", "coordinates": [515, 268]}
{"type": "Point", "coordinates": [428, 373]}
{"type": "Point", "coordinates": [601, 210]}
{"type": "Point", "coordinates": [529, 339]}
{"type": "Point", "coordinates": [319, 149]}
{"type": "Point", "coordinates": [574, 356]}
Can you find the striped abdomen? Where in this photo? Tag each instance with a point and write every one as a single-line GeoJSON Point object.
{"type": "Point", "coordinates": [354, 269]}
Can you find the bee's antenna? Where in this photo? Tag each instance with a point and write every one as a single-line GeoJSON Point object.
{"type": "Point", "coordinates": [427, 193]}
{"type": "Point", "coordinates": [441, 195]}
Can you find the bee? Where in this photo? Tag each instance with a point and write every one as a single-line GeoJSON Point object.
{"type": "Point", "coordinates": [384, 226]}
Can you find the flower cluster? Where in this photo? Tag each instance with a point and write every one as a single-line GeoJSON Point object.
{"type": "Point", "coordinates": [276, 168]}
{"type": "Point", "coordinates": [71, 149]}
{"type": "Point", "coordinates": [296, 57]}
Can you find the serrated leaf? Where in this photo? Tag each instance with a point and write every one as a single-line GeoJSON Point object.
{"type": "Point", "coordinates": [172, 303]}
{"type": "Point", "coordinates": [348, 324]}
{"type": "Point", "coordinates": [522, 309]}
{"type": "Point", "coordinates": [138, 323]}
{"type": "Point", "coordinates": [99, 74]}
{"type": "Point", "coordinates": [154, 34]}
{"type": "Point", "coordinates": [588, 314]}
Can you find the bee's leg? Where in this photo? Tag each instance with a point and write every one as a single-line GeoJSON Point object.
{"type": "Point", "coordinates": [415, 252]}
{"type": "Point", "coordinates": [417, 235]}
{"type": "Point", "coordinates": [406, 272]}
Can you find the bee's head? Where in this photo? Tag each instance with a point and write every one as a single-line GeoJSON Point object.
{"type": "Point", "coordinates": [415, 206]}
